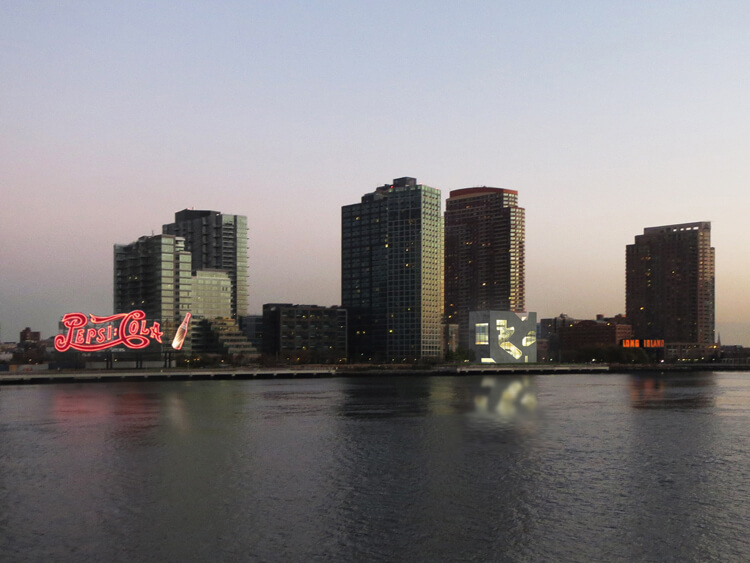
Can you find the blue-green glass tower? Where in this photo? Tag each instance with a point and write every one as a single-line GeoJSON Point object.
{"type": "Point", "coordinates": [392, 273]}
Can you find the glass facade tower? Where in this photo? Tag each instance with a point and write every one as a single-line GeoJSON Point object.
{"type": "Point", "coordinates": [153, 274]}
{"type": "Point", "coordinates": [216, 242]}
{"type": "Point", "coordinates": [392, 273]}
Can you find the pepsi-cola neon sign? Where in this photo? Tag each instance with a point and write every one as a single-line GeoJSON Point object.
{"type": "Point", "coordinates": [92, 333]}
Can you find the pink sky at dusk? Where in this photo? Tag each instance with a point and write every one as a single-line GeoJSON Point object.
{"type": "Point", "coordinates": [607, 117]}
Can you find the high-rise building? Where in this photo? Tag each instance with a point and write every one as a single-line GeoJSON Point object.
{"type": "Point", "coordinates": [392, 273]}
{"type": "Point", "coordinates": [216, 242]}
{"type": "Point", "coordinates": [153, 274]}
{"type": "Point", "coordinates": [670, 284]}
{"type": "Point", "coordinates": [484, 255]}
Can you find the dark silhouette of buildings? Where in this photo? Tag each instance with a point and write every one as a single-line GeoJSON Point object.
{"type": "Point", "coordinates": [670, 284]}
{"type": "Point", "coordinates": [582, 340]}
{"type": "Point", "coordinates": [304, 333]}
{"type": "Point", "coordinates": [29, 336]}
{"type": "Point", "coordinates": [484, 255]}
{"type": "Point", "coordinates": [586, 336]}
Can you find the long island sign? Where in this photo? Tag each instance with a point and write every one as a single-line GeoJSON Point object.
{"type": "Point", "coordinates": [91, 333]}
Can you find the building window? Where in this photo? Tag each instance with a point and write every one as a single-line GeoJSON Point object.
{"type": "Point", "coordinates": [482, 332]}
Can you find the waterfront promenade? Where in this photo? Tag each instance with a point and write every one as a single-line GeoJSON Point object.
{"type": "Point", "coordinates": [286, 372]}
{"type": "Point", "coordinates": [175, 374]}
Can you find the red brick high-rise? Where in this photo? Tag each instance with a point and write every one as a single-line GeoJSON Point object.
{"type": "Point", "coordinates": [670, 284]}
{"type": "Point", "coordinates": [484, 255]}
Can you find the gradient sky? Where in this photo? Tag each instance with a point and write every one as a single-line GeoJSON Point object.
{"type": "Point", "coordinates": [607, 117]}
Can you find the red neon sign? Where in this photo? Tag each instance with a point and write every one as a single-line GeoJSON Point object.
{"type": "Point", "coordinates": [131, 331]}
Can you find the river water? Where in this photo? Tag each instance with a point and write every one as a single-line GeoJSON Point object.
{"type": "Point", "coordinates": [544, 468]}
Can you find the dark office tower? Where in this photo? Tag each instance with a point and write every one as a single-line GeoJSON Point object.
{"type": "Point", "coordinates": [216, 242]}
{"type": "Point", "coordinates": [670, 284]}
{"type": "Point", "coordinates": [484, 255]}
{"type": "Point", "coordinates": [392, 273]}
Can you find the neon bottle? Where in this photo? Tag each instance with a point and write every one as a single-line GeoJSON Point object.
{"type": "Point", "coordinates": [179, 338]}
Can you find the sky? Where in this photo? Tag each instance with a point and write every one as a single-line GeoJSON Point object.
{"type": "Point", "coordinates": [606, 117]}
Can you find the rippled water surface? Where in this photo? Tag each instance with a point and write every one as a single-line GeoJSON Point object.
{"type": "Point", "coordinates": [546, 468]}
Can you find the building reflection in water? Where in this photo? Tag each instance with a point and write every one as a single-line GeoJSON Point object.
{"type": "Point", "coordinates": [507, 398]}
{"type": "Point", "coordinates": [418, 458]}
{"type": "Point", "coordinates": [693, 391]}
{"type": "Point", "coordinates": [127, 413]}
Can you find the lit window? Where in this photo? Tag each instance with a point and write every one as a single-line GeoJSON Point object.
{"type": "Point", "coordinates": [482, 332]}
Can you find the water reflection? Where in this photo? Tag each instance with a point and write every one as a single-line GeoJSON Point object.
{"type": "Point", "coordinates": [385, 397]}
{"type": "Point", "coordinates": [500, 398]}
{"type": "Point", "coordinates": [128, 413]}
{"type": "Point", "coordinates": [693, 391]}
{"type": "Point", "coordinates": [506, 398]}
{"type": "Point", "coordinates": [675, 459]}
{"type": "Point", "coordinates": [422, 461]}
{"type": "Point", "coordinates": [543, 468]}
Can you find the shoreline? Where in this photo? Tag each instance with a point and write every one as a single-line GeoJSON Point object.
{"type": "Point", "coordinates": [225, 374]}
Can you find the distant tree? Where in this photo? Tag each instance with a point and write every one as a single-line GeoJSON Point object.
{"type": "Point", "coordinates": [461, 355]}
{"type": "Point", "coordinates": [613, 355]}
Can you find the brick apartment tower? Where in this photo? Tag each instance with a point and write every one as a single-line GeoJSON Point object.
{"type": "Point", "coordinates": [670, 284]}
{"type": "Point", "coordinates": [484, 255]}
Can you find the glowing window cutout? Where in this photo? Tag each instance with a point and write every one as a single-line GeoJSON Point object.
{"type": "Point", "coordinates": [504, 332]}
{"type": "Point", "coordinates": [482, 333]}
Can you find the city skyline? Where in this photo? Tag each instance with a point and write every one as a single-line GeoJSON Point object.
{"type": "Point", "coordinates": [606, 118]}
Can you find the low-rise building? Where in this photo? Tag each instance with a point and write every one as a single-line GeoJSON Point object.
{"type": "Point", "coordinates": [304, 333]}
{"type": "Point", "coordinates": [584, 336]}
{"type": "Point", "coordinates": [503, 337]}
{"type": "Point", "coordinates": [582, 340]}
{"type": "Point", "coordinates": [252, 327]}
